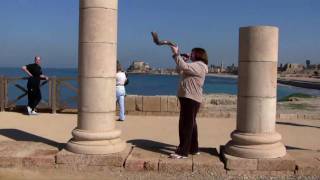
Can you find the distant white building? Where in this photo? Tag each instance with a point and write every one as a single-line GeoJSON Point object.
{"type": "Point", "coordinates": [139, 67]}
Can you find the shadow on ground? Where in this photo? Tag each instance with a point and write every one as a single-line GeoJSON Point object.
{"type": "Point", "coordinates": [295, 148]}
{"type": "Point", "coordinates": [164, 148]}
{"type": "Point", "coordinates": [295, 124]}
{"type": "Point", "coordinates": [19, 135]}
{"type": "Point", "coordinates": [153, 146]}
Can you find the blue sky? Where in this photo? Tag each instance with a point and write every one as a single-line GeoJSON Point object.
{"type": "Point", "coordinates": [50, 28]}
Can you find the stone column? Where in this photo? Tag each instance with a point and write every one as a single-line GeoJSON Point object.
{"type": "Point", "coordinates": [255, 136]}
{"type": "Point", "coordinates": [95, 132]}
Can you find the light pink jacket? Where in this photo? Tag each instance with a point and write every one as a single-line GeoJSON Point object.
{"type": "Point", "coordinates": [192, 78]}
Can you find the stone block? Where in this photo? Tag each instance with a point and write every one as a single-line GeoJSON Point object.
{"type": "Point", "coordinates": [172, 166]}
{"type": "Point", "coordinates": [98, 25]}
{"type": "Point", "coordinates": [26, 154]}
{"type": "Point", "coordinates": [40, 159]}
{"type": "Point", "coordinates": [83, 168]}
{"type": "Point", "coordinates": [258, 79]}
{"type": "Point", "coordinates": [259, 114]}
{"type": "Point", "coordinates": [307, 162]}
{"type": "Point", "coordinates": [288, 116]}
{"type": "Point", "coordinates": [10, 162]}
{"type": "Point", "coordinates": [312, 116]}
{"type": "Point", "coordinates": [99, 64]}
{"type": "Point", "coordinates": [237, 163]}
{"type": "Point", "coordinates": [111, 160]}
{"type": "Point", "coordinates": [98, 121]}
{"type": "Point", "coordinates": [258, 43]}
{"type": "Point", "coordinates": [208, 163]}
{"type": "Point", "coordinates": [151, 103]}
{"type": "Point", "coordinates": [300, 116]}
{"type": "Point", "coordinates": [173, 104]}
{"type": "Point", "coordinates": [286, 163]}
{"type": "Point", "coordinates": [164, 104]}
{"type": "Point", "coordinates": [141, 159]}
{"type": "Point", "coordinates": [139, 104]}
{"type": "Point", "coordinates": [130, 103]}
{"type": "Point", "coordinates": [254, 173]}
{"type": "Point", "coordinates": [101, 98]}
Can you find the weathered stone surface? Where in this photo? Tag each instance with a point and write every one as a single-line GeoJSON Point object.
{"type": "Point", "coordinates": [41, 159]}
{"type": "Point", "coordinates": [26, 154]}
{"type": "Point", "coordinates": [208, 163]}
{"type": "Point", "coordinates": [173, 104]}
{"type": "Point", "coordinates": [130, 103]}
{"type": "Point", "coordinates": [115, 159]}
{"type": "Point", "coordinates": [140, 159]}
{"type": "Point", "coordinates": [312, 116]}
{"type": "Point", "coordinates": [286, 163]}
{"type": "Point", "coordinates": [236, 163]}
{"type": "Point", "coordinates": [307, 162]}
{"type": "Point", "coordinates": [151, 103]}
{"type": "Point", "coordinates": [139, 105]}
{"type": "Point", "coordinates": [164, 103]}
{"type": "Point", "coordinates": [83, 168]}
{"type": "Point", "coordinates": [288, 116]}
{"type": "Point", "coordinates": [172, 166]}
{"type": "Point", "coordinates": [253, 173]}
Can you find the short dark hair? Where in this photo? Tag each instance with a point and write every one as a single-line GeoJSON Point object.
{"type": "Point", "coordinates": [200, 55]}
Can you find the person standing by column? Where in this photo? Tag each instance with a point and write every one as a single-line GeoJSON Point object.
{"type": "Point", "coordinates": [190, 97]}
{"type": "Point", "coordinates": [121, 81]}
{"type": "Point", "coordinates": [35, 75]}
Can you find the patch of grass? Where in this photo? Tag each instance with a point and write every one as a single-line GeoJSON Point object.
{"type": "Point", "coordinates": [297, 95]}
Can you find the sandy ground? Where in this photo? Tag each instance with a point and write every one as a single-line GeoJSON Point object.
{"type": "Point", "coordinates": [213, 132]}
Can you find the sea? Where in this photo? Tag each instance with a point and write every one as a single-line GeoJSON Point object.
{"type": "Point", "coordinates": [141, 84]}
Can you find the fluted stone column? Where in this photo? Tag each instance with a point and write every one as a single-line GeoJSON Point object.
{"type": "Point", "coordinates": [95, 132]}
{"type": "Point", "coordinates": [255, 136]}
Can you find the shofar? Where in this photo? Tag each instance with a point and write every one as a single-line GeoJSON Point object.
{"type": "Point", "coordinates": [159, 42]}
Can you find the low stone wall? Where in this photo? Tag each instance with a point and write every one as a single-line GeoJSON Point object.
{"type": "Point", "coordinates": [214, 105]}
{"type": "Point", "coordinates": [169, 105]}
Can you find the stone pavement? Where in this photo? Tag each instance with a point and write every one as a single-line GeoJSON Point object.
{"type": "Point", "coordinates": [41, 156]}
{"type": "Point", "coordinates": [35, 144]}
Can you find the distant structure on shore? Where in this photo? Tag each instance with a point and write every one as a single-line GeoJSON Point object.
{"type": "Point", "coordinates": [139, 67]}
{"type": "Point", "coordinates": [220, 69]}
{"type": "Point", "coordinates": [299, 70]}
{"type": "Point", "coordinates": [286, 70]}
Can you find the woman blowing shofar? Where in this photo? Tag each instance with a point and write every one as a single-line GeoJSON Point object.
{"type": "Point", "coordinates": [190, 97]}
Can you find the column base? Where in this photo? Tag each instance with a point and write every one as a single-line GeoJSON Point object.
{"type": "Point", "coordinates": [255, 146]}
{"type": "Point", "coordinates": [96, 147]}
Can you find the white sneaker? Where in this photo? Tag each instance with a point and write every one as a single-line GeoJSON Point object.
{"type": "Point", "coordinates": [177, 156]}
{"type": "Point", "coordinates": [34, 113]}
{"type": "Point", "coordinates": [29, 110]}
